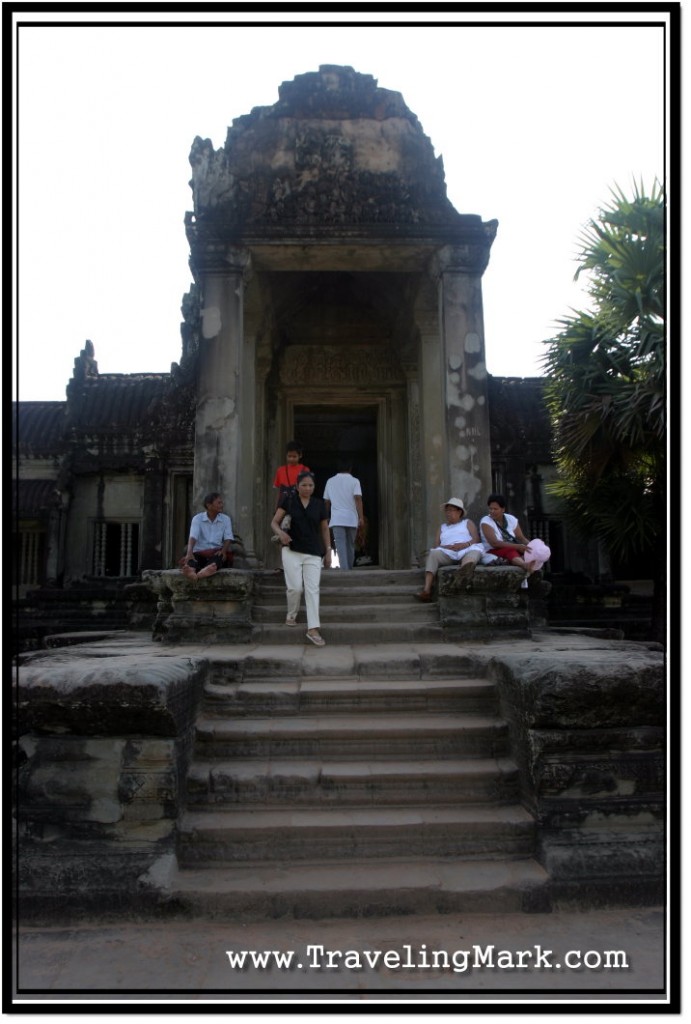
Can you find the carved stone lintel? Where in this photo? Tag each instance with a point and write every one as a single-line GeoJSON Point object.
{"type": "Point", "coordinates": [331, 364]}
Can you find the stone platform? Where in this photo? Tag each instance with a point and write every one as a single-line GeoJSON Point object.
{"type": "Point", "coordinates": [510, 775]}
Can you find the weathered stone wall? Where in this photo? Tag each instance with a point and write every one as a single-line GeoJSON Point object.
{"type": "Point", "coordinates": [103, 749]}
{"type": "Point", "coordinates": [588, 733]}
{"type": "Point", "coordinates": [113, 497]}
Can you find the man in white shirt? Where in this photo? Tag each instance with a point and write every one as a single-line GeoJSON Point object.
{"type": "Point", "coordinates": [343, 497]}
{"type": "Point", "coordinates": [211, 534]}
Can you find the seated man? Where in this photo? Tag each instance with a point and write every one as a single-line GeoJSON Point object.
{"type": "Point", "coordinates": [208, 547]}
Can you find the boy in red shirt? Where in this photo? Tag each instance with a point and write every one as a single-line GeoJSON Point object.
{"type": "Point", "coordinates": [287, 475]}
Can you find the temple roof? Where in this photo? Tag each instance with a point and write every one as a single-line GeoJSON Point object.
{"type": "Point", "coordinates": [38, 427]}
{"type": "Point", "coordinates": [123, 403]}
{"type": "Point", "coordinates": [519, 421]}
{"type": "Point", "coordinates": [115, 402]}
{"type": "Point", "coordinates": [31, 497]}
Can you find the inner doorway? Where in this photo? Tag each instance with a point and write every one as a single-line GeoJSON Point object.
{"type": "Point", "coordinates": [330, 433]}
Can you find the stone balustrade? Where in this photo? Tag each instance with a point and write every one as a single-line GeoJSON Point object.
{"type": "Point", "coordinates": [492, 604]}
{"type": "Point", "coordinates": [212, 610]}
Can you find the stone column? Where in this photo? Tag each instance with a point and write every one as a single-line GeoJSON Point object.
{"type": "Point", "coordinates": [265, 453]}
{"type": "Point", "coordinates": [417, 538]}
{"type": "Point", "coordinates": [56, 551]}
{"type": "Point", "coordinates": [429, 479]}
{"type": "Point", "coordinates": [224, 419]}
{"type": "Point", "coordinates": [467, 452]}
{"type": "Point", "coordinates": [249, 462]}
{"type": "Point", "coordinates": [53, 558]}
{"type": "Point", "coordinates": [153, 516]}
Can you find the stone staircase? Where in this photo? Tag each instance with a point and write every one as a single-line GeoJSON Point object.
{"type": "Point", "coordinates": [353, 781]}
{"type": "Point", "coordinates": [362, 606]}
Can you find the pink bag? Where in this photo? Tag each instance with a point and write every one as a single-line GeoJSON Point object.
{"type": "Point", "coordinates": [536, 554]}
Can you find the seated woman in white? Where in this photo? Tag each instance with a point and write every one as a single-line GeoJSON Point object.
{"type": "Point", "coordinates": [457, 541]}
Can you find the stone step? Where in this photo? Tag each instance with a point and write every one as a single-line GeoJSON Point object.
{"type": "Point", "coordinates": [351, 736]}
{"type": "Point", "coordinates": [348, 589]}
{"type": "Point", "coordinates": [337, 580]}
{"type": "Point", "coordinates": [379, 662]}
{"type": "Point", "coordinates": [293, 696]}
{"type": "Point", "coordinates": [356, 596]}
{"type": "Point", "coordinates": [350, 633]}
{"type": "Point", "coordinates": [255, 892]}
{"type": "Point", "coordinates": [371, 775]}
{"type": "Point", "coordinates": [270, 782]}
{"type": "Point", "coordinates": [370, 577]}
{"type": "Point", "coordinates": [292, 834]}
{"type": "Point", "coordinates": [347, 612]}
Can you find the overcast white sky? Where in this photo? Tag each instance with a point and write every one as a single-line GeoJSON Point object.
{"type": "Point", "coordinates": [535, 123]}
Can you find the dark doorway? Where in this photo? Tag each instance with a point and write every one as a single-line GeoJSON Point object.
{"type": "Point", "coordinates": [333, 432]}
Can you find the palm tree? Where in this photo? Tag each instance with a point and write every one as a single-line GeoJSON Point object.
{"type": "Point", "coordinates": [606, 386]}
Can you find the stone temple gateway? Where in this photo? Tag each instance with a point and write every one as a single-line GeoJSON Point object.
{"type": "Point", "coordinates": [449, 757]}
{"type": "Point", "coordinates": [341, 303]}
{"type": "Point", "coordinates": [337, 299]}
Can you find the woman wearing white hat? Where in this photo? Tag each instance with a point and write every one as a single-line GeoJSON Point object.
{"type": "Point", "coordinates": [457, 541]}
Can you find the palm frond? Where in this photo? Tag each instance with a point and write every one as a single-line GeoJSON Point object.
{"type": "Point", "coordinates": [606, 370]}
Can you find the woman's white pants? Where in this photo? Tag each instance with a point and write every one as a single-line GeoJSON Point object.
{"type": "Point", "coordinates": [438, 557]}
{"type": "Point", "coordinates": [302, 572]}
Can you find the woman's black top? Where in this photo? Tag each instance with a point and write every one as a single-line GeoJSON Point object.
{"type": "Point", "coordinates": [305, 525]}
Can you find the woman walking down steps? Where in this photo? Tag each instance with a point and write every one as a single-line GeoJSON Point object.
{"type": "Point", "coordinates": [304, 550]}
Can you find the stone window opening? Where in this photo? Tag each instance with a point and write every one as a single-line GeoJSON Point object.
{"type": "Point", "coordinates": [116, 549]}
{"type": "Point", "coordinates": [30, 547]}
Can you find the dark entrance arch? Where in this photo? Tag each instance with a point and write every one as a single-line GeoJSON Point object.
{"type": "Point", "coordinates": [332, 432]}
